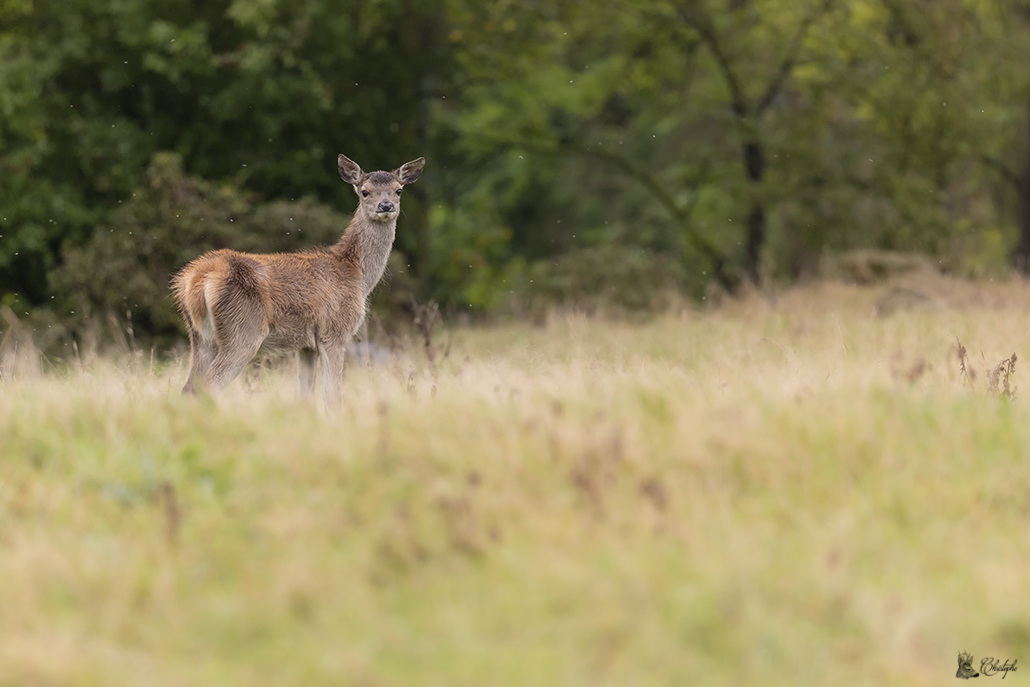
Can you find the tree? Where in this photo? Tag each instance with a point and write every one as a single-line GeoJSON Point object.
{"type": "Point", "coordinates": [749, 104]}
{"type": "Point", "coordinates": [262, 92]}
{"type": "Point", "coordinates": [786, 128]}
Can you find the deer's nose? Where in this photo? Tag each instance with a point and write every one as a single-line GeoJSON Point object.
{"type": "Point", "coordinates": [385, 206]}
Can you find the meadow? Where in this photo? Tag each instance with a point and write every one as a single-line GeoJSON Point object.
{"type": "Point", "coordinates": [802, 488]}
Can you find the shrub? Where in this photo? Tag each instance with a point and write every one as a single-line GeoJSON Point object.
{"type": "Point", "coordinates": [611, 278]}
{"type": "Point", "coordinates": [120, 277]}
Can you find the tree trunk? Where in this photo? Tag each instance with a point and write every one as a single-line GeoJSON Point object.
{"type": "Point", "coordinates": [422, 37]}
{"type": "Point", "coordinates": [1022, 254]}
{"type": "Point", "coordinates": [754, 161]}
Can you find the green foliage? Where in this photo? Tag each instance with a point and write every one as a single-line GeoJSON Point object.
{"type": "Point", "coordinates": [869, 121]}
{"type": "Point", "coordinates": [739, 139]}
{"type": "Point", "coordinates": [121, 276]}
{"type": "Point", "coordinates": [609, 279]}
{"type": "Point", "coordinates": [263, 93]}
{"type": "Point", "coordinates": [470, 256]}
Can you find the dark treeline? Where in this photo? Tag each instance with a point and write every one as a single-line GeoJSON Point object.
{"type": "Point", "coordinates": [595, 149]}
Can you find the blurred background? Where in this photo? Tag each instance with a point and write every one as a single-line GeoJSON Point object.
{"type": "Point", "coordinates": [605, 153]}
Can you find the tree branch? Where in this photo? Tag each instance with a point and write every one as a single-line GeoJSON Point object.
{"type": "Point", "coordinates": [1006, 172]}
{"type": "Point", "coordinates": [790, 59]}
{"type": "Point", "coordinates": [648, 180]}
{"type": "Point", "coordinates": [700, 21]}
{"type": "Point", "coordinates": [651, 183]}
{"type": "Point", "coordinates": [663, 196]}
{"type": "Point", "coordinates": [697, 19]}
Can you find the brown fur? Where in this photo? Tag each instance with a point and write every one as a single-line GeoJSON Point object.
{"type": "Point", "coordinates": [311, 302]}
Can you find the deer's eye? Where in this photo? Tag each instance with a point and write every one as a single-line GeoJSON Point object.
{"type": "Point", "coordinates": [399, 191]}
{"type": "Point", "coordinates": [364, 194]}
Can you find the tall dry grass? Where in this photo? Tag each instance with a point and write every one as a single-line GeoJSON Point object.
{"type": "Point", "coordinates": [787, 490]}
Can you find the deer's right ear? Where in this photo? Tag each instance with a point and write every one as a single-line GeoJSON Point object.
{"type": "Point", "coordinates": [349, 170]}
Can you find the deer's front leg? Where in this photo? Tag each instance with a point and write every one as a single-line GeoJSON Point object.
{"type": "Point", "coordinates": [332, 357]}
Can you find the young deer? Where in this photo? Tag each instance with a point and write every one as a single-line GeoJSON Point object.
{"type": "Point", "coordinates": [311, 302]}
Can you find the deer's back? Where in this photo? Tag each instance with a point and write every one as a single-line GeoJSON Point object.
{"type": "Point", "coordinates": [302, 296]}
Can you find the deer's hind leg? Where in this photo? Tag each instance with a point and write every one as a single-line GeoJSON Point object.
{"type": "Point", "coordinates": [202, 354]}
{"type": "Point", "coordinates": [240, 329]}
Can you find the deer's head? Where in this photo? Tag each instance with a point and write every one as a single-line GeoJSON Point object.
{"type": "Point", "coordinates": [965, 666]}
{"type": "Point", "coordinates": [379, 193]}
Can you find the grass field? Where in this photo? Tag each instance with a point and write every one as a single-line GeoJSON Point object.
{"type": "Point", "coordinates": [777, 491]}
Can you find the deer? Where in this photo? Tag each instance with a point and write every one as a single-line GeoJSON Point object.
{"type": "Point", "coordinates": [311, 301]}
{"type": "Point", "coordinates": [965, 667]}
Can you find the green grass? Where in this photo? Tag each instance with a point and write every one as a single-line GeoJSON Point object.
{"type": "Point", "coordinates": [788, 492]}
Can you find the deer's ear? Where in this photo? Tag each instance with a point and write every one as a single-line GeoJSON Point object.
{"type": "Point", "coordinates": [409, 171]}
{"type": "Point", "coordinates": [349, 170]}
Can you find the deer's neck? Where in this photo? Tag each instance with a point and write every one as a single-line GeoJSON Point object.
{"type": "Point", "coordinates": [368, 243]}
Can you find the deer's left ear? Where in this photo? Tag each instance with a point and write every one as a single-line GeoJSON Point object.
{"type": "Point", "coordinates": [409, 171]}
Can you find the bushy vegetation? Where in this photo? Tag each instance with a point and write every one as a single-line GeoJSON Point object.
{"type": "Point", "coordinates": [734, 141]}
{"type": "Point", "coordinates": [123, 273]}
